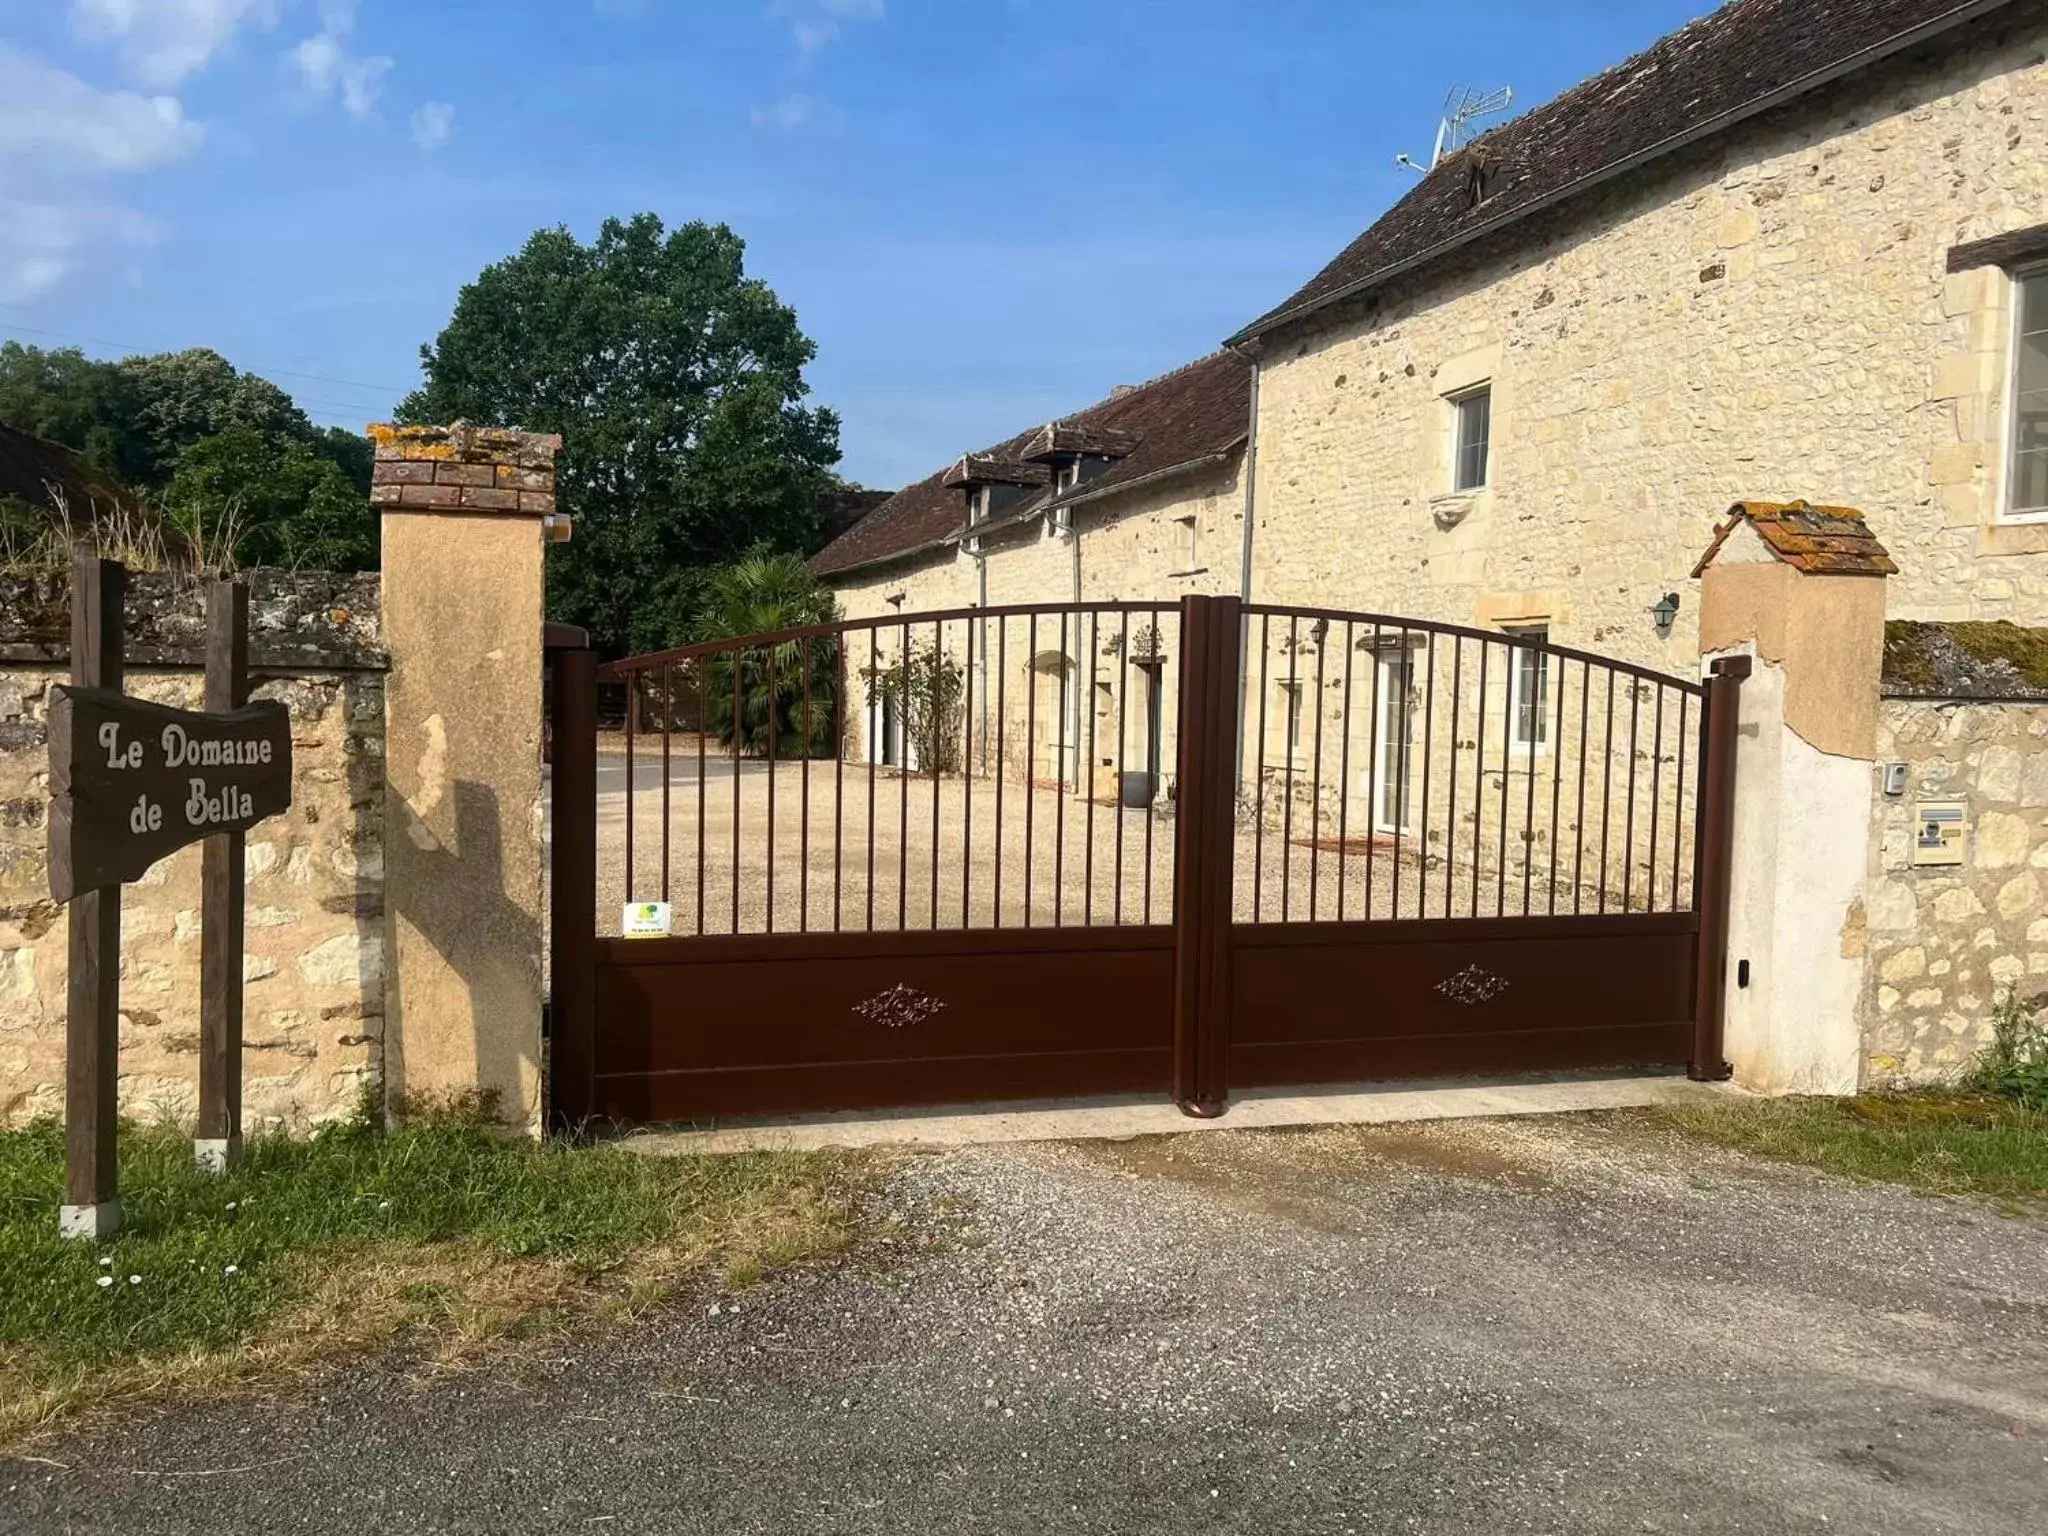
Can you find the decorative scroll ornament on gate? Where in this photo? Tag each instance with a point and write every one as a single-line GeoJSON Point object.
{"type": "Point", "coordinates": [899, 1005]}
{"type": "Point", "coordinates": [1472, 986]}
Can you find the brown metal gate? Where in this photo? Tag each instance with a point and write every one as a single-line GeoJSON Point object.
{"type": "Point", "coordinates": [1171, 848]}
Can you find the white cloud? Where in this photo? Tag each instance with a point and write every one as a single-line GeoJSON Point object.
{"type": "Point", "coordinates": [54, 121]}
{"type": "Point", "coordinates": [813, 35]}
{"type": "Point", "coordinates": [59, 137]}
{"type": "Point", "coordinates": [40, 241]}
{"type": "Point", "coordinates": [432, 124]}
{"type": "Point", "coordinates": [814, 24]}
{"type": "Point", "coordinates": [325, 65]}
{"type": "Point", "coordinates": [163, 41]}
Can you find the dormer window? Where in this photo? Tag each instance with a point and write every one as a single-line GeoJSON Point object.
{"type": "Point", "coordinates": [1077, 450]}
{"type": "Point", "coordinates": [992, 487]}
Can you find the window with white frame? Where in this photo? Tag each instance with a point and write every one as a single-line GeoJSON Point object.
{"type": "Point", "coordinates": [2027, 476]}
{"type": "Point", "coordinates": [1529, 688]}
{"type": "Point", "coordinates": [1471, 436]}
{"type": "Point", "coordinates": [1290, 698]}
{"type": "Point", "coordinates": [1187, 543]}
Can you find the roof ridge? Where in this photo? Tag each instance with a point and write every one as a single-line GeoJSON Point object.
{"type": "Point", "coordinates": [1700, 80]}
{"type": "Point", "coordinates": [1151, 383]}
{"type": "Point", "coordinates": [996, 448]}
{"type": "Point", "coordinates": [1184, 416]}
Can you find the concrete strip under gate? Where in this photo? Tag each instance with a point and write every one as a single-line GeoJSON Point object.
{"type": "Point", "coordinates": [1085, 1119]}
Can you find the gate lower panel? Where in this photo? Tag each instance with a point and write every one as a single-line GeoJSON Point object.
{"type": "Point", "coordinates": [1357, 1002]}
{"type": "Point", "coordinates": [782, 1024]}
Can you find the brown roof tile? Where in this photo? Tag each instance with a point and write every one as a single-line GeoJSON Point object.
{"type": "Point", "coordinates": [989, 469]}
{"type": "Point", "coordinates": [1072, 436]}
{"type": "Point", "coordinates": [1705, 77]}
{"type": "Point", "coordinates": [1186, 417]}
{"type": "Point", "coordinates": [1821, 541]}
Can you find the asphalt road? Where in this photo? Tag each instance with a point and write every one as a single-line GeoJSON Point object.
{"type": "Point", "coordinates": [1534, 1326]}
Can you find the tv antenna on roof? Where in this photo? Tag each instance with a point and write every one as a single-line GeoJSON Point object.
{"type": "Point", "coordinates": [1465, 106]}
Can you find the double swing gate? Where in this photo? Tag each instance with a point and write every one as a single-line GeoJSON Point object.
{"type": "Point", "coordinates": [1114, 848]}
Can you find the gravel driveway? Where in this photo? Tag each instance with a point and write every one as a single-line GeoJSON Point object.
{"type": "Point", "coordinates": [1568, 1325]}
{"type": "Point", "coordinates": [941, 853]}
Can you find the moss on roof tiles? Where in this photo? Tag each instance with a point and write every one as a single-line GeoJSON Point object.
{"type": "Point", "coordinates": [1970, 659]}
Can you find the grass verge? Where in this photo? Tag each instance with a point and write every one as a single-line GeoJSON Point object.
{"type": "Point", "coordinates": [1939, 1143]}
{"type": "Point", "coordinates": [443, 1232]}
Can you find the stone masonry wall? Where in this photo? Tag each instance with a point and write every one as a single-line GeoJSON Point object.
{"type": "Point", "coordinates": [314, 957]}
{"type": "Point", "coordinates": [1945, 943]}
{"type": "Point", "coordinates": [1133, 547]}
{"type": "Point", "coordinates": [1767, 316]}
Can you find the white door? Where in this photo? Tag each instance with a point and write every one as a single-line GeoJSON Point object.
{"type": "Point", "coordinates": [1393, 759]}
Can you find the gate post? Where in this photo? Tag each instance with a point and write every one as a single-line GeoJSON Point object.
{"type": "Point", "coordinates": [572, 891]}
{"type": "Point", "coordinates": [1716, 843]}
{"type": "Point", "coordinates": [467, 517]}
{"type": "Point", "coordinates": [1203, 851]}
{"type": "Point", "coordinates": [1796, 594]}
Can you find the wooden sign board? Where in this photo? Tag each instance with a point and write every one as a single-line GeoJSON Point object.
{"type": "Point", "coordinates": [132, 781]}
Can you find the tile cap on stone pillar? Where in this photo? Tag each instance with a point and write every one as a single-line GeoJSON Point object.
{"type": "Point", "coordinates": [1819, 541]}
{"type": "Point", "coordinates": [464, 468]}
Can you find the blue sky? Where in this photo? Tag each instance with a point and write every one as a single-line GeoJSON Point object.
{"type": "Point", "coordinates": [986, 212]}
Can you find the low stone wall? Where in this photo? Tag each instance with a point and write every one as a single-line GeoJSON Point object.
{"type": "Point", "coordinates": [1945, 943]}
{"type": "Point", "coordinates": [315, 953]}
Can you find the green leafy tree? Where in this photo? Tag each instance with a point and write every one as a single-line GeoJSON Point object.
{"type": "Point", "coordinates": [66, 398]}
{"type": "Point", "coordinates": [181, 398]}
{"type": "Point", "coordinates": [284, 504]}
{"type": "Point", "coordinates": [677, 384]}
{"type": "Point", "coordinates": [211, 443]}
{"type": "Point", "coordinates": [758, 594]}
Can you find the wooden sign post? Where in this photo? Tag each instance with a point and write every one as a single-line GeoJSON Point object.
{"type": "Point", "coordinates": [131, 782]}
{"type": "Point", "coordinates": [92, 1029]}
{"type": "Point", "coordinates": [218, 1144]}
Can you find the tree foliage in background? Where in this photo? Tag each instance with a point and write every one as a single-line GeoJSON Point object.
{"type": "Point", "coordinates": [212, 446]}
{"type": "Point", "coordinates": [762, 592]}
{"type": "Point", "coordinates": [677, 384]}
{"type": "Point", "coordinates": [928, 691]}
{"type": "Point", "coordinates": [285, 503]}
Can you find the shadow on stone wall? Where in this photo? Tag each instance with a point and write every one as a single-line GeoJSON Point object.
{"type": "Point", "coordinates": [455, 897]}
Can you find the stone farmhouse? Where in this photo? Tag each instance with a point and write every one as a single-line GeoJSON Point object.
{"type": "Point", "coordinates": [1139, 495]}
{"type": "Point", "coordinates": [1794, 250]}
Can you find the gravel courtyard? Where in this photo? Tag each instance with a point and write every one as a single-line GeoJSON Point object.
{"type": "Point", "coordinates": [1564, 1325]}
{"type": "Point", "coordinates": [1076, 861]}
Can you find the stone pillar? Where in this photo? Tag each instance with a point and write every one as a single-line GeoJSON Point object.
{"type": "Point", "coordinates": [464, 513]}
{"type": "Point", "coordinates": [1800, 590]}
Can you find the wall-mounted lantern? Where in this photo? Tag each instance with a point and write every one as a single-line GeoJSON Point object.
{"type": "Point", "coordinates": [1665, 613]}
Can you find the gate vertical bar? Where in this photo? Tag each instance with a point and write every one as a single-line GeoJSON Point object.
{"type": "Point", "coordinates": [92, 1026]}
{"type": "Point", "coordinates": [1203, 853]}
{"type": "Point", "coordinates": [219, 1142]}
{"type": "Point", "coordinates": [572, 914]}
{"type": "Point", "coordinates": [1715, 844]}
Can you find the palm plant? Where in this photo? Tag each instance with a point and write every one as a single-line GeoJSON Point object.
{"type": "Point", "coordinates": [761, 593]}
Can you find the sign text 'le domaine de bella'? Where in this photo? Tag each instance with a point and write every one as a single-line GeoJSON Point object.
{"type": "Point", "coordinates": [132, 781]}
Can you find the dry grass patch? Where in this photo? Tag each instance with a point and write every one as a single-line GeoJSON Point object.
{"type": "Point", "coordinates": [443, 1236]}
